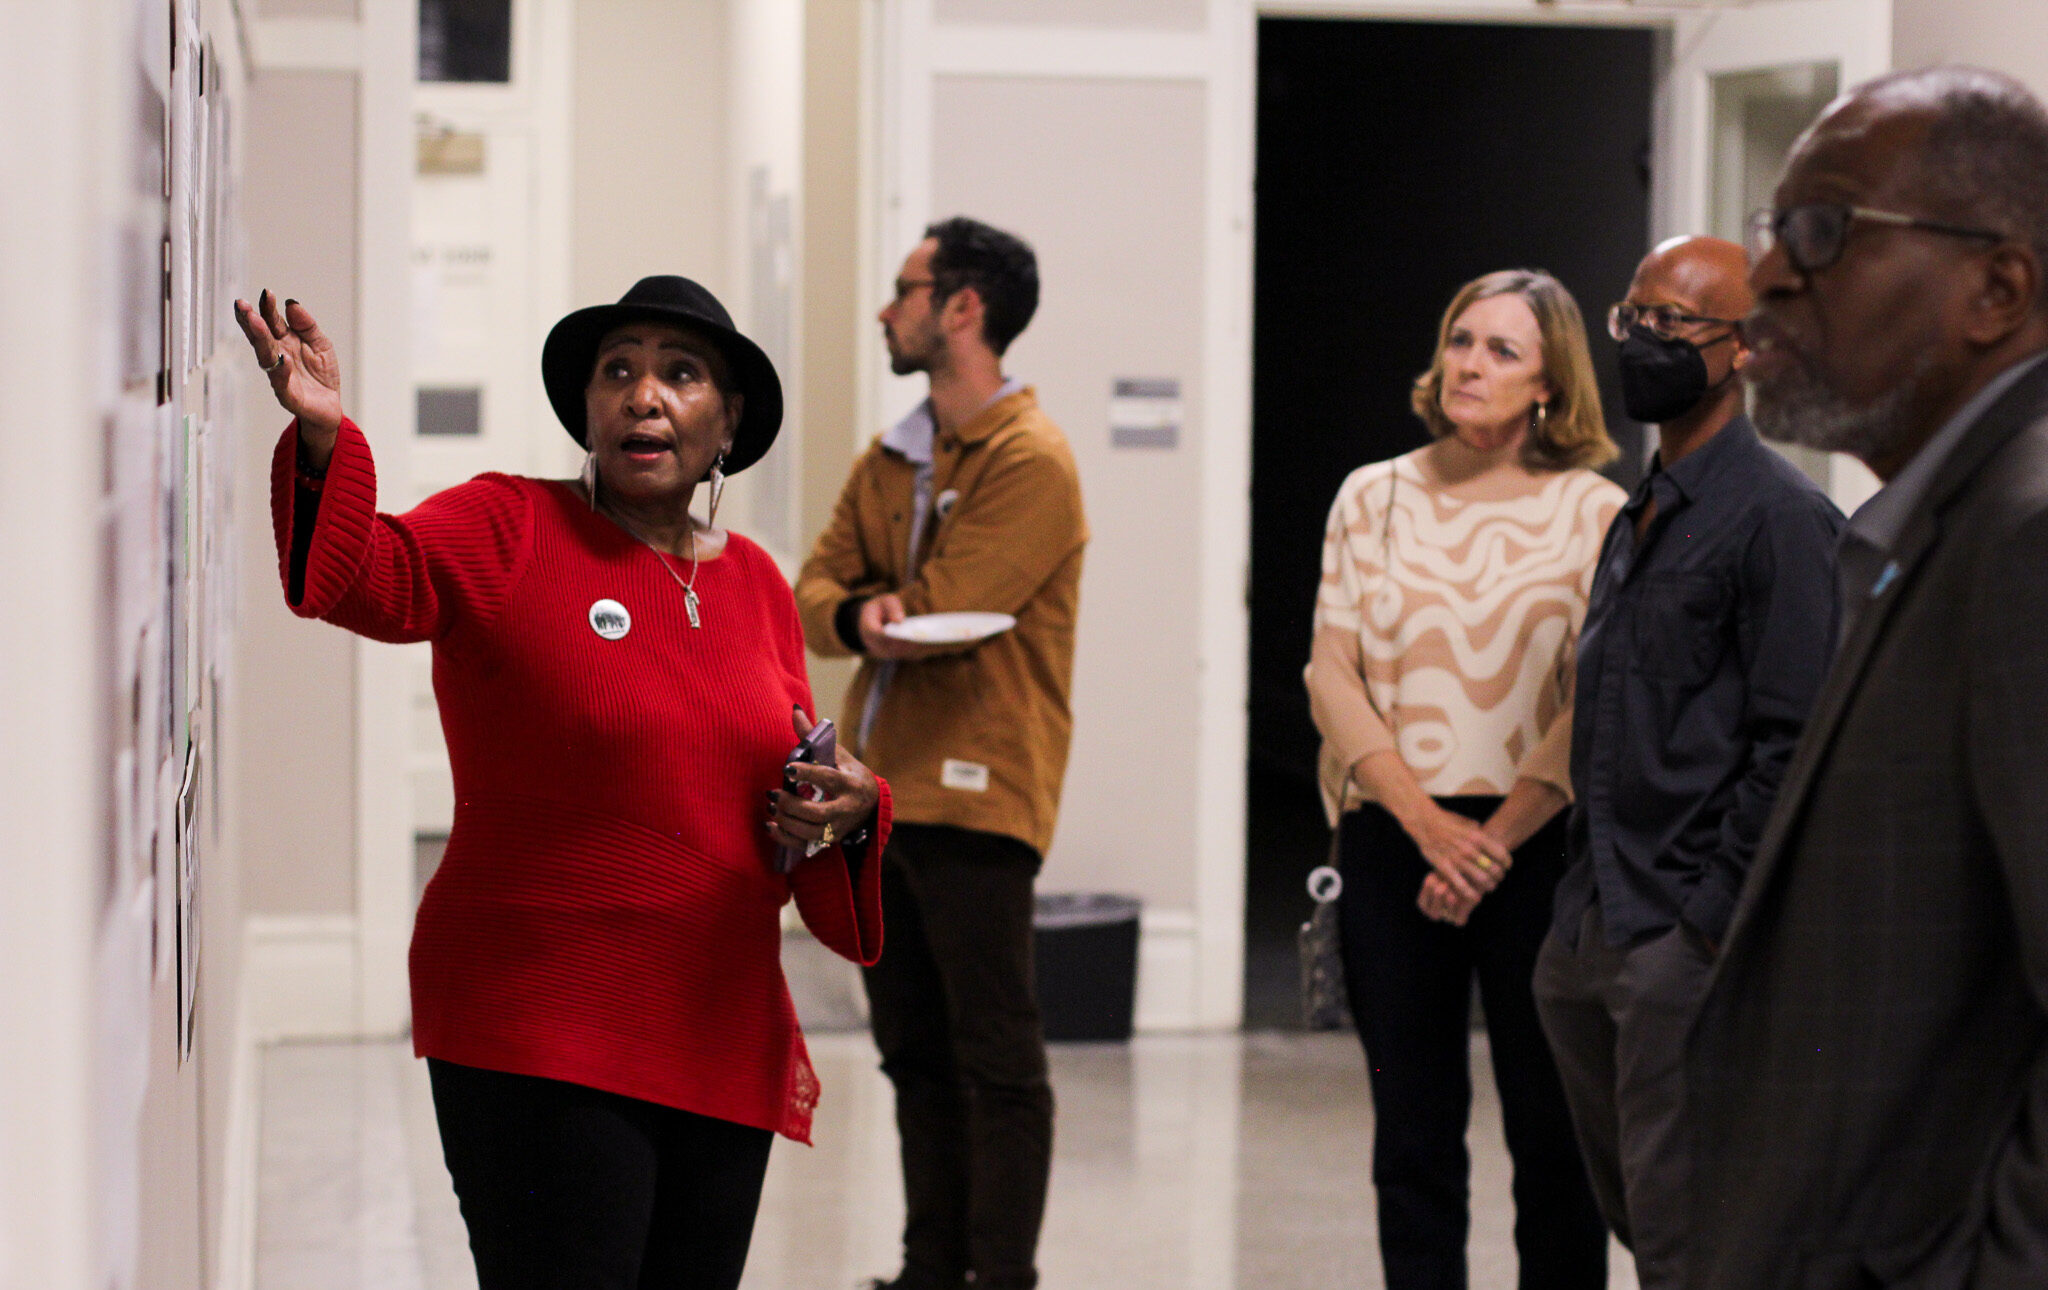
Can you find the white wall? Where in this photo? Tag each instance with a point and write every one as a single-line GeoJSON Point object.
{"type": "Point", "coordinates": [838, 317]}
{"type": "Point", "coordinates": [764, 231]}
{"type": "Point", "coordinates": [302, 243]}
{"type": "Point", "coordinates": [1104, 178]}
{"type": "Point", "coordinates": [2008, 35]}
{"type": "Point", "coordinates": [51, 779]}
{"type": "Point", "coordinates": [650, 171]}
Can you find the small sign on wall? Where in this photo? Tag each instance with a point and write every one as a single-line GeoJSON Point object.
{"type": "Point", "coordinates": [1144, 412]}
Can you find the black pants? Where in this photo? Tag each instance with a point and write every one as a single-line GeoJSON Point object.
{"type": "Point", "coordinates": [956, 1019]}
{"type": "Point", "coordinates": [567, 1188]}
{"type": "Point", "coordinates": [1410, 980]}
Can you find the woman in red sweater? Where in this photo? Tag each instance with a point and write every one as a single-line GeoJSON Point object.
{"type": "Point", "coordinates": [596, 976]}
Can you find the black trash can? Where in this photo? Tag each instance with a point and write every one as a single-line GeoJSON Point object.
{"type": "Point", "coordinates": [1086, 945]}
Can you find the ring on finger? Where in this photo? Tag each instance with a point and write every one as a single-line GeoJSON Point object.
{"type": "Point", "coordinates": [274, 363]}
{"type": "Point", "coordinates": [828, 837]}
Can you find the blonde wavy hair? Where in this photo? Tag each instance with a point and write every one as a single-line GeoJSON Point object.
{"type": "Point", "coordinates": [1574, 431]}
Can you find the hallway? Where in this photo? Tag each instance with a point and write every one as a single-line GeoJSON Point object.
{"type": "Point", "coordinates": [1197, 1163]}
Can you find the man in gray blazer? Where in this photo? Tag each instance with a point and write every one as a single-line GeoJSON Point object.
{"type": "Point", "coordinates": [1868, 1074]}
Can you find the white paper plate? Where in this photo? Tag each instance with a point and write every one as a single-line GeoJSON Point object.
{"type": "Point", "coordinates": [949, 629]}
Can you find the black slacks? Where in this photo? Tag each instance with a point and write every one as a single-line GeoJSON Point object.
{"type": "Point", "coordinates": [568, 1188]}
{"type": "Point", "coordinates": [955, 1013]}
{"type": "Point", "coordinates": [1410, 980]}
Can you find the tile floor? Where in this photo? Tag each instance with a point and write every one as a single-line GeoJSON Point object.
{"type": "Point", "coordinates": [1198, 1163]}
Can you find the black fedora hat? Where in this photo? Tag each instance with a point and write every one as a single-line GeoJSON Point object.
{"type": "Point", "coordinates": [572, 347]}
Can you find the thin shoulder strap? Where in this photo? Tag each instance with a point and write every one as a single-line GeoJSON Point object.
{"type": "Point", "coordinates": [1387, 525]}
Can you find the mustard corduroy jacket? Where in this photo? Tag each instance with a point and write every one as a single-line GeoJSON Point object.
{"type": "Point", "coordinates": [976, 738]}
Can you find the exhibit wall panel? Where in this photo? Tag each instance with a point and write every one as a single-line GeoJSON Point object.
{"type": "Point", "coordinates": [121, 1046]}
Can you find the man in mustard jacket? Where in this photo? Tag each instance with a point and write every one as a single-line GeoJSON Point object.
{"type": "Point", "coordinates": [971, 502]}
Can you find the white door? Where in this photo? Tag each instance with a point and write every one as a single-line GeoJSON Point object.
{"type": "Point", "coordinates": [1118, 144]}
{"type": "Point", "coordinates": [1742, 85]}
{"type": "Point", "coordinates": [489, 268]}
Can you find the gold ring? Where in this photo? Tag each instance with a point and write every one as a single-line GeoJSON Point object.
{"type": "Point", "coordinates": [1486, 863]}
{"type": "Point", "coordinates": [828, 838]}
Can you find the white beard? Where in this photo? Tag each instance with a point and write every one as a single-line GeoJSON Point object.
{"type": "Point", "coordinates": [1798, 408]}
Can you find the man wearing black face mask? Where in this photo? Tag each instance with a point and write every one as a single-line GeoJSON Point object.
{"type": "Point", "coordinates": [1710, 625]}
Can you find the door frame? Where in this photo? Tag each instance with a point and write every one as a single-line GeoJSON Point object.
{"type": "Point", "coordinates": [907, 50]}
{"type": "Point", "coordinates": [1856, 34]}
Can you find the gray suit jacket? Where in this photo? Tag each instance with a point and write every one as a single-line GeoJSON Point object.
{"type": "Point", "coordinates": [1868, 1074]}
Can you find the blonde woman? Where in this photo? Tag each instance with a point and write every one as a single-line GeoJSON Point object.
{"type": "Point", "coordinates": [1454, 582]}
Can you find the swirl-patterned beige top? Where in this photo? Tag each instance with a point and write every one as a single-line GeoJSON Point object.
{"type": "Point", "coordinates": [1446, 621]}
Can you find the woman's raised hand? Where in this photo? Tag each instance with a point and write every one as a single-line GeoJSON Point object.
{"type": "Point", "coordinates": [299, 359]}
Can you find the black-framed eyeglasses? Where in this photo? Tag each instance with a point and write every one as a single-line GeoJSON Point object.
{"type": "Point", "coordinates": [1815, 234]}
{"type": "Point", "coordinates": [1665, 322]}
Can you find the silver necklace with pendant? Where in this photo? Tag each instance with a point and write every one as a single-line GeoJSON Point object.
{"type": "Point", "coordinates": [690, 587]}
{"type": "Point", "coordinates": [690, 600]}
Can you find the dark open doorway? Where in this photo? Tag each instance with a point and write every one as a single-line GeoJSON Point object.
{"type": "Point", "coordinates": [1396, 161]}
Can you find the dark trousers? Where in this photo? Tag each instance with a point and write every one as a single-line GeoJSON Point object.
{"type": "Point", "coordinates": [955, 1015]}
{"type": "Point", "coordinates": [1617, 1020]}
{"type": "Point", "coordinates": [568, 1188]}
{"type": "Point", "coordinates": [1410, 980]}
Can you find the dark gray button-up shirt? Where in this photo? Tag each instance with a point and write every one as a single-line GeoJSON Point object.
{"type": "Point", "coordinates": [1703, 650]}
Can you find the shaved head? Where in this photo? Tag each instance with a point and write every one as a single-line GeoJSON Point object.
{"type": "Point", "coordinates": [1703, 275]}
{"type": "Point", "coordinates": [1680, 357]}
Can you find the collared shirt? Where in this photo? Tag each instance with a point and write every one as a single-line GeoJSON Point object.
{"type": "Point", "coordinates": [1864, 561]}
{"type": "Point", "coordinates": [913, 438]}
{"type": "Point", "coordinates": [1704, 647]}
{"type": "Point", "coordinates": [976, 739]}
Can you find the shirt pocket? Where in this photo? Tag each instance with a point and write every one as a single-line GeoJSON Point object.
{"type": "Point", "coordinates": [1678, 627]}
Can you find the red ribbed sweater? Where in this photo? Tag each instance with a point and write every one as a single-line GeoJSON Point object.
{"type": "Point", "coordinates": [607, 912]}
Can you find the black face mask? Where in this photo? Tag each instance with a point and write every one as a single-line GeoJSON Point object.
{"type": "Point", "coordinates": [1661, 380]}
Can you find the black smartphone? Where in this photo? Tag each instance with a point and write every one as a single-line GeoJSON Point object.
{"type": "Point", "coordinates": [818, 748]}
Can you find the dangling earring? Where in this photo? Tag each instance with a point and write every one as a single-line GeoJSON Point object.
{"type": "Point", "coordinates": [717, 478]}
{"type": "Point", "coordinates": [590, 478]}
{"type": "Point", "coordinates": [1542, 417]}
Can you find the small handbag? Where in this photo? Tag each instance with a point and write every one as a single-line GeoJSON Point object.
{"type": "Point", "coordinates": [1324, 1002]}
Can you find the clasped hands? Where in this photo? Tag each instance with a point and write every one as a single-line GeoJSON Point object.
{"type": "Point", "coordinates": [1465, 860]}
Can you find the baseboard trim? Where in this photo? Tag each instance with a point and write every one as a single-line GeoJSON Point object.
{"type": "Point", "coordinates": [235, 1255]}
{"type": "Point", "coordinates": [1167, 974]}
{"type": "Point", "coordinates": [301, 976]}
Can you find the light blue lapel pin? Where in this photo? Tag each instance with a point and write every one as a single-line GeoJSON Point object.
{"type": "Point", "coordinates": [1885, 579]}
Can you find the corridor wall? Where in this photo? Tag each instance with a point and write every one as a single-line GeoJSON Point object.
{"type": "Point", "coordinates": [120, 1059]}
{"type": "Point", "coordinates": [2009, 35]}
